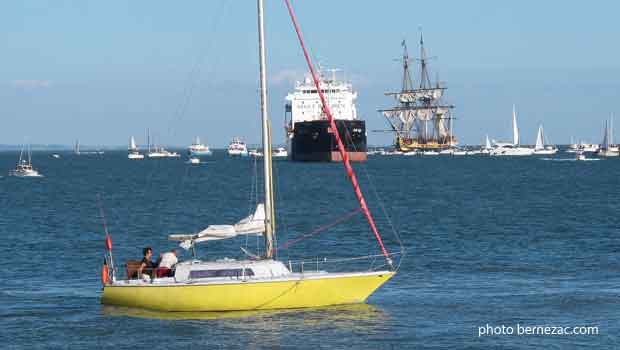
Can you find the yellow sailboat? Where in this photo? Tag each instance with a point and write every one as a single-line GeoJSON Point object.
{"type": "Point", "coordinates": [254, 284]}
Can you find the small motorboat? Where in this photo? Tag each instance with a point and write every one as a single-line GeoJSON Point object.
{"type": "Point", "coordinates": [193, 161]}
{"type": "Point", "coordinates": [580, 155]}
{"type": "Point", "coordinates": [255, 153]}
{"type": "Point", "coordinates": [24, 166]}
{"type": "Point", "coordinates": [280, 152]}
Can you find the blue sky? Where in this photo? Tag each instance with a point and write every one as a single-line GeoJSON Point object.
{"type": "Point", "coordinates": [103, 71]}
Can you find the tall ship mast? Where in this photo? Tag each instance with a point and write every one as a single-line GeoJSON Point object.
{"type": "Point", "coordinates": [309, 134]}
{"type": "Point", "coordinates": [421, 119]}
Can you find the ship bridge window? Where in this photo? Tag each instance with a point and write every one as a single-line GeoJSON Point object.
{"type": "Point", "coordinates": [221, 273]}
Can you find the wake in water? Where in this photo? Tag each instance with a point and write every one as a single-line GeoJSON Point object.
{"type": "Point", "coordinates": [569, 159]}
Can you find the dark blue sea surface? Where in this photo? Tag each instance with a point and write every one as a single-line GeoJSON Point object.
{"type": "Point", "coordinates": [497, 241]}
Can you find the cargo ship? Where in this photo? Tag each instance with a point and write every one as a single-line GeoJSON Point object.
{"type": "Point", "coordinates": [308, 133]}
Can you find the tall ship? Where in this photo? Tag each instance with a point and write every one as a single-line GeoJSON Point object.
{"type": "Point", "coordinates": [421, 119]}
{"type": "Point", "coordinates": [309, 134]}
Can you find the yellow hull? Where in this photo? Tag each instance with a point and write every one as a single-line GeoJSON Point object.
{"type": "Point", "coordinates": [291, 293]}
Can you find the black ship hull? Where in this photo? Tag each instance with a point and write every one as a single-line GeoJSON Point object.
{"type": "Point", "coordinates": [314, 141]}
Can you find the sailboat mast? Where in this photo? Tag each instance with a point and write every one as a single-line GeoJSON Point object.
{"type": "Point", "coordinates": [269, 209]}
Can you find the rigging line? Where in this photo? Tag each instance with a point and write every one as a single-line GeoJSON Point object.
{"type": "Point", "coordinates": [279, 197]}
{"type": "Point", "coordinates": [253, 196]}
{"type": "Point", "coordinates": [324, 260]}
{"type": "Point", "coordinates": [320, 229]}
{"type": "Point", "coordinates": [349, 141]}
{"type": "Point", "coordinates": [341, 149]}
{"type": "Point", "coordinates": [196, 69]}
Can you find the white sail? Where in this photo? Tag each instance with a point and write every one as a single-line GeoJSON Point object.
{"type": "Point", "coordinates": [540, 143]}
{"type": "Point", "coordinates": [487, 145]}
{"type": "Point", "coordinates": [515, 128]}
{"type": "Point", "coordinates": [251, 225]}
{"type": "Point", "coordinates": [132, 144]}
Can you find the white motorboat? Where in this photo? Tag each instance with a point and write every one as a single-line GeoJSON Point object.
{"type": "Point", "coordinates": [160, 152]}
{"type": "Point", "coordinates": [133, 150]}
{"type": "Point", "coordinates": [511, 149]}
{"type": "Point", "coordinates": [198, 149]}
{"type": "Point", "coordinates": [255, 153]}
{"type": "Point", "coordinates": [459, 152]}
{"type": "Point", "coordinates": [155, 152]}
{"type": "Point", "coordinates": [540, 147]}
{"type": "Point", "coordinates": [135, 155]}
{"type": "Point", "coordinates": [55, 155]}
{"type": "Point", "coordinates": [237, 148]}
{"type": "Point", "coordinates": [582, 147]}
{"type": "Point", "coordinates": [24, 166]}
{"type": "Point", "coordinates": [446, 152]}
{"type": "Point", "coordinates": [279, 152]}
{"type": "Point", "coordinates": [193, 160]}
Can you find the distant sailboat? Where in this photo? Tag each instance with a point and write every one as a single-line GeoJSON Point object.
{"type": "Point", "coordinates": [607, 149]}
{"type": "Point", "coordinates": [540, 148]}
{"type": "Point", "coordinates": [158, 152]}
{"type": "Point", "coordinates": [511, 149]}
{"type": "Point", "coordinates": [77, 150]}
{"type": "Point", "coordinates": [24, 166]}
{"type": "Point", "coordinates": [133, 150]}
{"type": "Point", "coordinates": [487, 147]}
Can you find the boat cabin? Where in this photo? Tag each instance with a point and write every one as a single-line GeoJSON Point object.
{"type": "Point", "coordinates": [223, 270]}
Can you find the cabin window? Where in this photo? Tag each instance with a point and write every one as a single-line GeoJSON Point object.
{"type": "Point", "coordinates": [220, 273]}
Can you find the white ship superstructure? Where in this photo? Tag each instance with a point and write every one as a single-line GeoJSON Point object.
{"type": "Point", "coordinates": [305, 103]}
{"type": "Point", "coordinates": [308, 135]}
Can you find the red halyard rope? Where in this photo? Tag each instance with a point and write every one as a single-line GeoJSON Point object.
{"type": "Point", "coordinates": [343, 153]}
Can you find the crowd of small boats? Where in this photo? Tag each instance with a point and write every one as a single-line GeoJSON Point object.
{"type": "Point", "coordinates": [237, 148]}
{"type": "Point", "coordinates": [515, 148]}
{"type": "Point", "coordinates": [197, 150]}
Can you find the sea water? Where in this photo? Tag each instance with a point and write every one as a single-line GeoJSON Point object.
{"type": "Point", "coordinates": [489, 242]}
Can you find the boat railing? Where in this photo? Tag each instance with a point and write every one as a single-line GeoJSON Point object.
{"type": "Point", "coordinates": [318, 264]}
